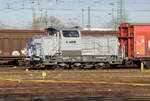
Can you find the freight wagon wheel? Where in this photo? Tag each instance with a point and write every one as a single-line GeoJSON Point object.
{"type": "Point", "coordinates": [138, 63]}
{"type": "Point", "coordinates": [147, 65]}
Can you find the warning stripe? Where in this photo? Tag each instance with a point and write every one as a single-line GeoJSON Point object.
{"type": "Point", "coordinates": [77, 82]}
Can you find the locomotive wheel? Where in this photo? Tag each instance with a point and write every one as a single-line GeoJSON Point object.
{"type": "Point", "coordinates": [67, 66]}
{"type": "Point", "coordinates": [87, 66]}
{"type": "Point", "coordinates": [106, 66]}
{"type": "Point", "coordinates": [49, 67]}
{"type": "Point", "coordinates": [58, 67]}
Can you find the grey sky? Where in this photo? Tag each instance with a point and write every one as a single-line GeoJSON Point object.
{"type": "Point", "coordinates": [70, 10]}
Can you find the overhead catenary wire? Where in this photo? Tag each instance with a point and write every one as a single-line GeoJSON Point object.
{"type": "Point", "coordinates": [67, 9]}
{"type": "Point", "coordinates": [19, 6]}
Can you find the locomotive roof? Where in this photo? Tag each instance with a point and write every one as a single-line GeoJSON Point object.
{"type": "Point", "coordinates": [85, 32]}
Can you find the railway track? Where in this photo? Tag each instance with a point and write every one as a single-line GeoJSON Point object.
{"type": "Point", "coordinates": [60, 90]}
{"type": "Point", "coordinates": [74, 92]}
{"type": "Point", "coordinates": [73, 96]}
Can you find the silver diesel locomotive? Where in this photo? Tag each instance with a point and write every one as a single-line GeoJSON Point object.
{"type": "Point", "coordinates": [67, 48]}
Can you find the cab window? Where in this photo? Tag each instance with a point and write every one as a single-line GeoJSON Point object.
{"type": "Point", "coordinates": [70, 33]}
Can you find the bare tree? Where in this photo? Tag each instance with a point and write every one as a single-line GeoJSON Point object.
{"type": "Point", "coordinates": [54, 22]}
{"type": "Point", "coordinates": [43, 22]}
{"type": "Point", "coordinates": [111, 24]}
{"type": "Point", "coordinates": [35, 26]}
{"type": "Point", "coordinates": [114, 24]}
{"type": "Point", "coordinates": [71, 24]}
{"type": "Point", "coordinates": [1, 25]}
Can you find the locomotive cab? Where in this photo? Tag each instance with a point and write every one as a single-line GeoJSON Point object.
{"type": "Point", "coordinates": [69, 40]}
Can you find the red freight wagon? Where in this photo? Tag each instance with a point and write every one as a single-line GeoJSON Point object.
{"type": "Point", "coordinates": [135, 41]}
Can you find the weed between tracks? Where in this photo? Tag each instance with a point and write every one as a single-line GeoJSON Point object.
{"type": "Point", "coordinates": [72, 74]}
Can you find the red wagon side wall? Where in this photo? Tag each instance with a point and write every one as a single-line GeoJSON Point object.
{"type": "Point", "coordinates": [142, 41]}
{"type": "Point", "coordinates": [135, 40]}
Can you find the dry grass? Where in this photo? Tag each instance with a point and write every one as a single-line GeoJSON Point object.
{"type": "Point", "coordinates": [72, 74]}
